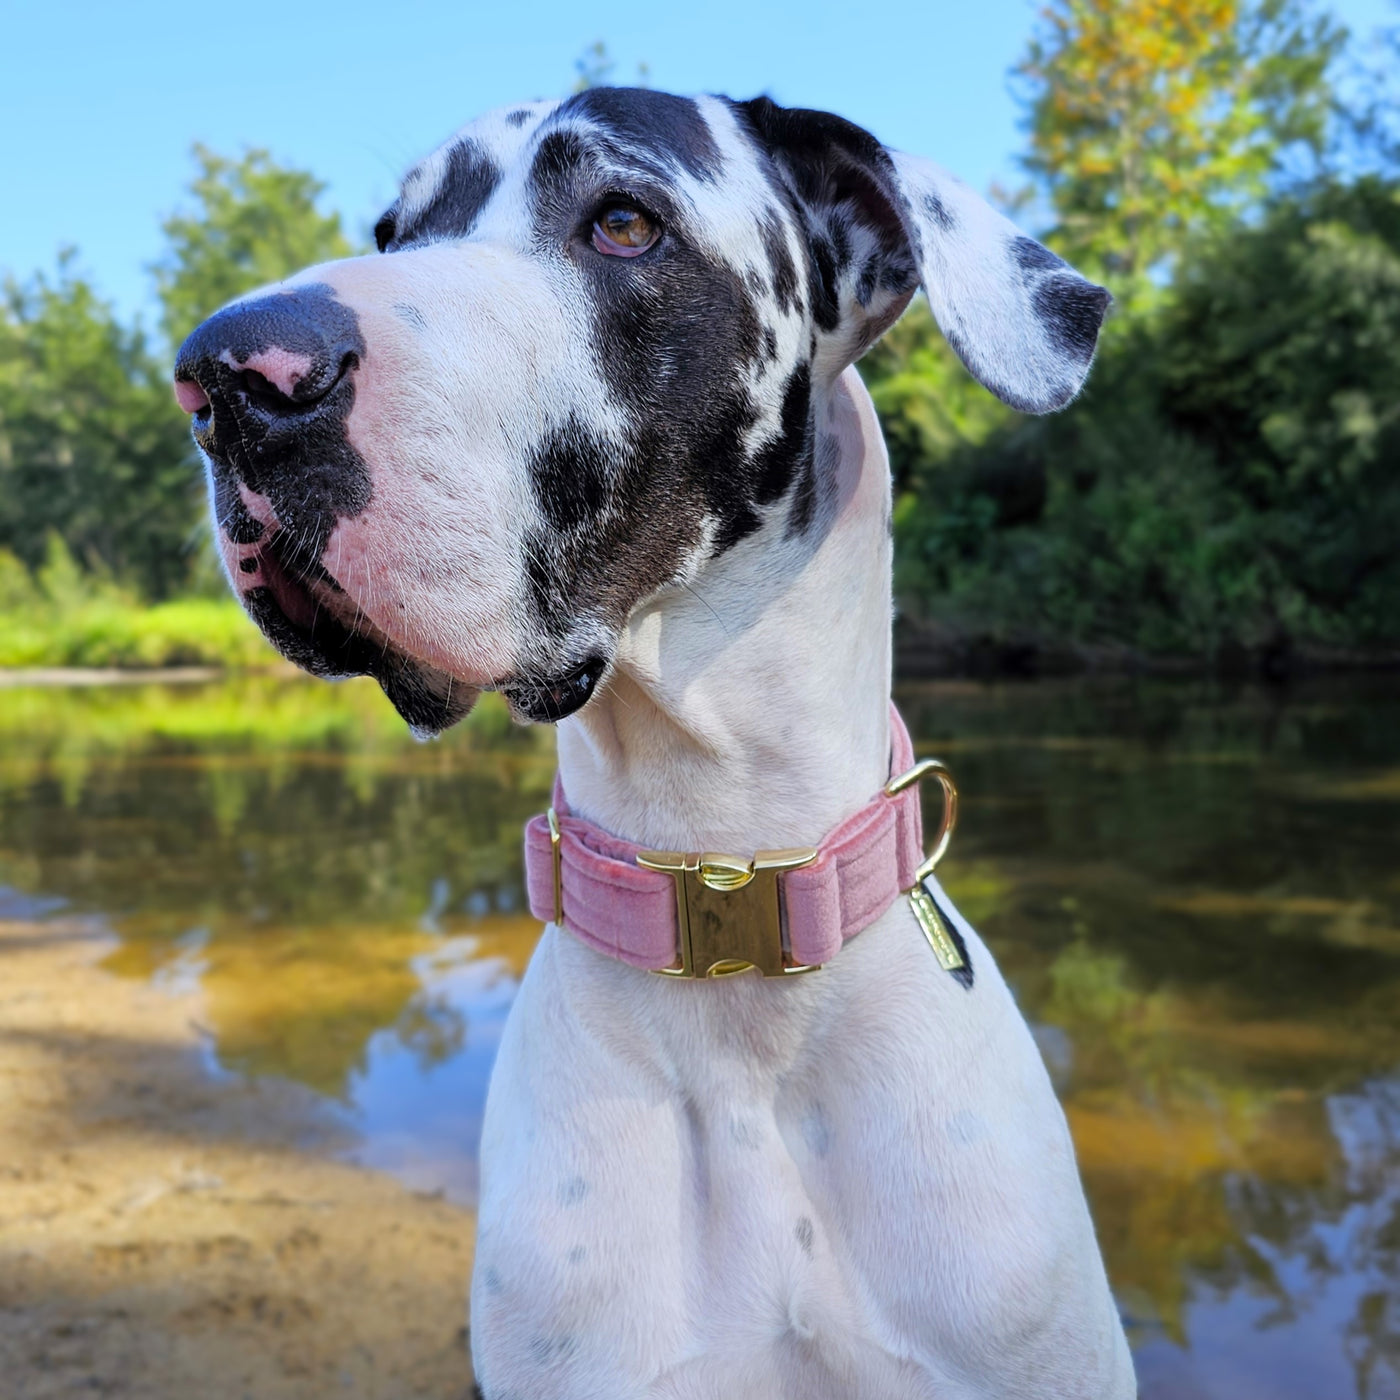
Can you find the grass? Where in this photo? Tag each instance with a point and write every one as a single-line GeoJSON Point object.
{"type": "Point", "coordinates": [103, 633]}
{"type": "Point", "coordinates": [256, 713]}
{"type": "Point", "coordinates": [62, 615]}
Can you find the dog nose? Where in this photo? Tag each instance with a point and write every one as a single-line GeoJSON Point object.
{"type": "Point", "coordinates": [262, 377]}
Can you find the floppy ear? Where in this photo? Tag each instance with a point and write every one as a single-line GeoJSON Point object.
{"type": "Point", "coordinates": [879, 222]}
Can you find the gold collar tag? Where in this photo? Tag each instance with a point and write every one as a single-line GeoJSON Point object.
{"type": "Point", "coordinates": [935, 929]}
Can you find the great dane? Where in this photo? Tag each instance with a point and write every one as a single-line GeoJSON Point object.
{"type": "Point", "coordinates": [586, 431]}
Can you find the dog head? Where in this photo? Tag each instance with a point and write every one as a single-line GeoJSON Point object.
{"type": "Point", "coordinates": [583, 363]}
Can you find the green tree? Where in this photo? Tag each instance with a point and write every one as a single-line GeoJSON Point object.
{"type": "Point", "coordinates": [91, 445]}
{"type": "Point", "coordinates": [252, 222]}
{"type": "Point", "coordinates": [1230, 481]}
{"type": "Point", "coordinates": [1153, 120]}
{"type": "Point", "coordinates": [931, 407]}
{"type": "Point", "coordinates": [1281, 353]}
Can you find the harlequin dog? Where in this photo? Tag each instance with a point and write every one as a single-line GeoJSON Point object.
{"type": "Point", "coordinates": [586, 432]}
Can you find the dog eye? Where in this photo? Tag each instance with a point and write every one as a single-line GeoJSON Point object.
{"type": "Point", "coordinates": [622, 231]}
{"type": "Point", "coordinates": [384, 231]}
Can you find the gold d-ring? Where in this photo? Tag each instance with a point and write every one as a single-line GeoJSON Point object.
{"type": "Point", "coordinates": [931, 768]}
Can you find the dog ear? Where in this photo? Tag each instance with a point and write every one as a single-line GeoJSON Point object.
{"type": "Point", "coordinates": [880, 222]}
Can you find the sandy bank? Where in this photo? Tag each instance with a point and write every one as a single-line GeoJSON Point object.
{"type": "Point", "coordinates": [170, 1233]}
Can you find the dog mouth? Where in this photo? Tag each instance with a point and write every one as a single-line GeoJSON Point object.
{"type": "Point", "coordinates": [547, 700]}
{"type": "Point", "coordinates": [307, 615]}
{"type": "Point", "coordinates": [301, 609]}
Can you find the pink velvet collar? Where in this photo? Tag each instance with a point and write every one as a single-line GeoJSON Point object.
{"type": "Point", "coordinates": [619, 908]}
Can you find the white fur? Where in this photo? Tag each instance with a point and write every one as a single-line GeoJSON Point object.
{"type": "Point", "coordinates": [651, 1148]}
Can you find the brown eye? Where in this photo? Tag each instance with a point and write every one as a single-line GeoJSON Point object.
{"type": "Point", "coordinates": [624, 232]}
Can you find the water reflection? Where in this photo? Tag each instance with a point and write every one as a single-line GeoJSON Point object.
{"type": "Point", "coordinates": [1196, 895]}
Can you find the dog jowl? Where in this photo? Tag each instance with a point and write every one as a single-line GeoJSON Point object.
{"type": "Point", "coordinates": [583, 363]}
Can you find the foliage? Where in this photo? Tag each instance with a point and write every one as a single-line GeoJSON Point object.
{"type": "Point", "coordinates": [1226, 481]}
{"type": "Point", "coordinates": [1151, 120]}
{"type": "Point", "coordinates": [929, 404]}
{"type": "Point", "coordinates": [1229, 478]}
{"type": "Point", "coordinates": [1282, 356]}
{"type": "Point", "coordinates": [91, 444]}
{"type": "Point", "coordinates": [253, 222]}
{"type": "Point", "coordinates": [61, 615]}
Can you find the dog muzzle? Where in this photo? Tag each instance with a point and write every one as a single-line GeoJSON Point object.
{"type": "Point", "coordinates": [783, 912]}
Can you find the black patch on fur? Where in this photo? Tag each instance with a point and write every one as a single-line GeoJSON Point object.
{"type": "Point", "coordinates": [570, 472]}
{"type": "Point", "coordinates": [1071, 310]}
{"type": "Point", "coordinates": [826, 307]}
{"type": "Point", "coordinates": [939, 212]}
{"type": "Point", "coordinates": [865, 284]}
{"type": "Point", "coordinates": [518, 117]}
{"type": "Point", "coordinates": [1031, 256]}
{"type": "Point", "coordinates": [386, 227]}
{"type": "Point", "coordinates": [230, 514]}
{"type": "Point", "coordinates": [899, 274]}
{"type": "Point", "coordinates": [780, 265]}
{"type": "Point", "coordinates": [652, 123]}
{"type": "Point", "coordinates": [558, 157]}
{"type": "Point", "coordinates": [840, 241]}
{"type": "Point", "coordinates": [836, 175]}
{"type": "Point", "coordinates": [804, 498]}
{"type": "Point", "coordinates": [814, 145]}
{"type": "Point", "coordinates": [776, 461]}
{"type": "Point", "coordinates": [469, 180]}
{"type": "Point", "coordinates": [804, 1234]}
{"type": "Point", "coordinates": [770, 344]}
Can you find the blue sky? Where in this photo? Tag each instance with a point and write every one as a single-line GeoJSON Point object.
{"type": "Point", "coordinates": [99, 102]}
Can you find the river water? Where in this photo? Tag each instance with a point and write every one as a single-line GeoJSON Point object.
{"type": "Point", "coordinates": [1193, 890]}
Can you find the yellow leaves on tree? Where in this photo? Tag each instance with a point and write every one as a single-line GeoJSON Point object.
{"type": "Point", "coordinates": [1151, 119]}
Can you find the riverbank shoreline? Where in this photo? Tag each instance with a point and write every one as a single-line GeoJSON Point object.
{"type": "Point", "coordinates": [934, 651]}
{"type": "Point", "coordinates": [168, 1229]}
{"type": "Point", "coordinates": [921, 653]}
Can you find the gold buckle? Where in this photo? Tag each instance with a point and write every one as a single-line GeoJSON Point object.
{"type": "Point", "coordinates": [927, 912]}
{"type": "Point", "coordinates": [727, 911]}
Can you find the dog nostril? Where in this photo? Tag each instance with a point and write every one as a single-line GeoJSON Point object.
{"type": "Point", "coordinates": [263, 391]}
{"type": "Point", "coordinates": [190, 396]}
{"type": "Point", "coordinates": [305, 394]}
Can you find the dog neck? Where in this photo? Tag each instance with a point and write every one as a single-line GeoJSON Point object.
{"type": "Point", "coordinates": [748, 710]}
